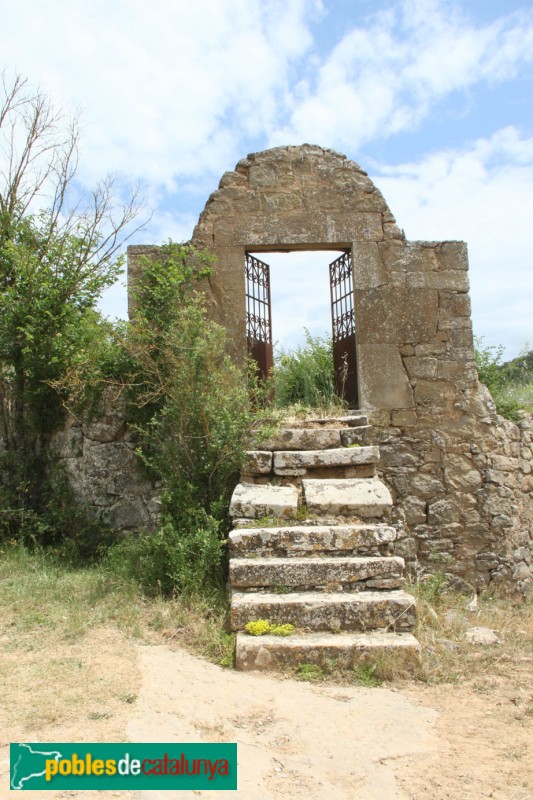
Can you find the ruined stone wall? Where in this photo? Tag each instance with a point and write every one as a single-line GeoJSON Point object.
{"type": "Point", "coordinates": [460, 475]}
{"type": "Point", "coordinates": [98, 457]}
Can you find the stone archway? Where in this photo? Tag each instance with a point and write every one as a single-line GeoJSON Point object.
{"type": "Point", "coordinates": [311, 198]}
{"type": "Point", "coordinates": [459, 482]}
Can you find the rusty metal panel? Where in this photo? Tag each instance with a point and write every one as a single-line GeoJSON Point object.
{"type": "Point", "coordinates": [343, 329]}
{"type": "Point", "coordinates": [258, 314]}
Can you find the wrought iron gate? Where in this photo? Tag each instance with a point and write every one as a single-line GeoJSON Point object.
{"type": "Point", "coordinates": [258, 316]}
{"type": "Point", "coordinates": [343, 324]}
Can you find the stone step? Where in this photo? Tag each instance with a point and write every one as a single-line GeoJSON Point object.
{"type": "Point", "coordinates": [325, 573]}
{"type": "Point", "coordinates": [301, 540]}
{"type": "Point", "coordinates": [304, 439]}
{"type": "Point", "coordinates": [360, 435]}
{"type": "Point", "coordinates": [347, 650]}
{"type": "Point", "coordinates": [317, 459]}
{"type": "Point", "coordinates": [351, 420]}
{"type": "Point", "coordinates": [361, 497]}
{"type": "Point", "coordinates": [327, 611]}
{"type": "Point", "coordinates": [255, 501]}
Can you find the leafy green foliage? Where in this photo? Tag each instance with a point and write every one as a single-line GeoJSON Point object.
{"type": "Point", "coordinates": [193, 414]}
{"type": "Point", "coordinates": [57, 254]}
{"type": "Point", "coordinates": [367, 675]}
{"type": "Point", "coordinates": [47, 296]}
{"type": "Point", "coordinates": [510, 383]}
{"type": "Point", "coordinates": [197, 409]}
{"type": "Point", "coordinates": [305, 375]}
{"type": "Point", "coordinates": [181, 557]}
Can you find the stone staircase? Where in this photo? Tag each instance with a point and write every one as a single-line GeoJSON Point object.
{"type": "Point", "coordinates": [313, 545]}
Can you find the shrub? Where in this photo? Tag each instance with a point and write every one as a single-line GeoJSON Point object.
{"type": "Point", "coordinates": [511, 383]}
{"type": "Point", "coordinates": [192, 409]}
{"type": "Point", "coordinates": [305, 375]}
{"type": "Point", "coordinates": [181, 557]}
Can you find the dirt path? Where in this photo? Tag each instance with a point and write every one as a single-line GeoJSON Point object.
{"type": "Point", "coordinates": [295, 740]}
{"type": "Point", "coordinates": [298, 740]}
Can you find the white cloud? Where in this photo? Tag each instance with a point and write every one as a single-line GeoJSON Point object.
{"type": "Point", "coordinates": [387, 76]}
{"type": "Point", "coordinates": [174, 92]}
{"type": "Point", "coordinates": [158, 81]}
{"type": "Point", "coordinates": [483, 195]}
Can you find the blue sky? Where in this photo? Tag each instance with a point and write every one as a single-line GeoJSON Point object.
{"type": "Point", "coordinates": [432, 97]}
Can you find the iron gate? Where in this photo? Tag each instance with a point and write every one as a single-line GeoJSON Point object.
{"type": "Point", "coordinates": [343, 325]}
{"type": "Point", "coordinates": [258, 316]}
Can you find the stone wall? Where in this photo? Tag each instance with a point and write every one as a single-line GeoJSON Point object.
{"type": "Point", "coordinates": [98, 456]}
{"type": "Point", "coordinates": [460, 475]}
{"type": "Point", "coordinates": [463, 488]}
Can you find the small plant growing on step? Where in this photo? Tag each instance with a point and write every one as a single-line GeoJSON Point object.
{"type": "Point", "coordinates": [260, 627]}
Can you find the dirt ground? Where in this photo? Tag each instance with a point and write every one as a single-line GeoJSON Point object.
{"type": "Point", "coordinates": [295, 740]}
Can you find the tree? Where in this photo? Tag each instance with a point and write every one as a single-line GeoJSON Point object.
{"type": "Point", "coordinates": [59, 248]}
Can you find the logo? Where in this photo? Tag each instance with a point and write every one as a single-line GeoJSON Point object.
{"type": "Point", "coordinates": [67, 766]}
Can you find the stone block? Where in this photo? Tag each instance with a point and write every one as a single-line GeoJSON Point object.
{"type": "Point", "coordinates": [296, 229]}
{"type": "Point", "coordinates": [408, 256]}
{"type": "Point", "coordinates": [315, 459]}
{"type": "Point", "coordinates": [258, 462]}
{"type": "Point", "coordinates": [304, 439]}
{"type": "Point", "coordinates": [368, 268]}
{"type": "Point", "coordinates": [415, 510]}
{"type": "Point", "coordinates": [420, 367]}
{"type": "Point", "coordinates": [254, 501]}
{"type": "Point", "coordinates": [455, 303]}
{"type": "Point", "coordinates": [456, 370]}
{"type": "Point", "coordinates": [453, 256]}
{"type": "Point", "coordinates": [439, 394]}
{"type": "Point", "coordinates": [360, 435]}
{"type": "Point", "coordinates": [308, 540]}
{"type": "Point", "coordinates": [398, 455]}
{"type": "Point", "coordinates": [364, 497]}
{"type": "Point", "coordinates": [396, 316]}
{"type": "Point", "coordinates": [67, 443]}
{"type": "Point", "coordinates": [347, 650]}
{"type": "Point", "coordinates": [313, 573]}
{"type": "Point", "coordinates": [383, 380]}
{"type": "Point", "coordinates": [426, 485]}
{"type": "Point", "coordinates": [452, 280]}
{"type": "Point", "coordinates": [404, 419]}
{"type": "Point", "coordinates": [462, 339]}
{"type": "Point", "coordinates": [442, 511]}
{"type": "Point", "coordinates": [325, 611]}
{"type": "Point", "coordinates": [233, 179]}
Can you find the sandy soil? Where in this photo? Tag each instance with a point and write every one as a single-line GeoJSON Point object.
{"type": "Point", "coordinates": [312, 741]}
{"type": "Point", "coordinates": [295, 740]}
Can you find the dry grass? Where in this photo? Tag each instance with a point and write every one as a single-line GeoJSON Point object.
{"type": "Point", "coordinates": [444, 616]}
{"type": "Point", "coordinates": [68, 636]}
{"type": "Point", "coordinates": [446, 655]}
{"type": "Point", "coordinates": [49, 614]}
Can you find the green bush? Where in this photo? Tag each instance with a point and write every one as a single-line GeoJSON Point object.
{"type": "Point", "coordinates": [510, 383]}
{"type": "Point", "coordinates": [172, 560]}
{"type": "Point", "coordinates": [193, 412]}
{"type": "Point", "coordinates": [305, 375]}
{"type": "Point", "coordinates": [197, 407]}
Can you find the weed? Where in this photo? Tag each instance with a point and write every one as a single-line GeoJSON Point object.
{"type": "Point", "coordinates": [367, 675]}
{"type": "Point", "coordinates": [511, 383]}
{"type": "Point", "coordinates": [279, 588]}
{"type": "Point", "coordinates": [310, 672]}
{"type": "Point", "coordinates": [305, 375]}
{"type": "Point", "coordinates": [258, 627]}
